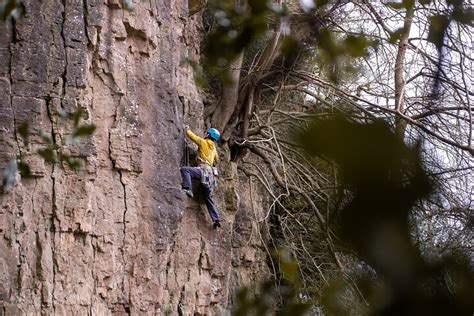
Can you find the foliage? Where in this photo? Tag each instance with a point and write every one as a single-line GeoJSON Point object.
{"type": "Point", "coordinates": [7, 7]}
{"type": "Point", "coordinates": [241, 23]}
{"type": "Point", "coordinates": [286, 295]}
{"type": "Point", "coordinates": [339, 67]}
{"type": "Point", "coordinates": [237, 25]}
{"type": "Point", "coordinates": [51, 152]}
{"type": "Point", "coordinates": [387, 178]}
{"type": "Point", "coordinates": [384, 179]}
{"type": "Point", "coordinates": [383, 185]}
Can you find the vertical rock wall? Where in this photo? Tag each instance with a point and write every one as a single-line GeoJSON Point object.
{"type": "Point", "coordinates": [116, 236]}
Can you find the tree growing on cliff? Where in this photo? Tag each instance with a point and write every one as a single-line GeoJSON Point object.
{"type": "Point", "coordinates": [404, 63]}
{"type": "Point", "coordinates": [385, 179]}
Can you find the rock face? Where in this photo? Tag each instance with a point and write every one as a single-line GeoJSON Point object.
{"type": "Point", "coordinates": [116, 236]}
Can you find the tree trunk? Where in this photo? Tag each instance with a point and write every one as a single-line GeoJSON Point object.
{"type": "Point", "coordinates": [229, 97]}
{"type": "Point", "coordinates": [400, 124]}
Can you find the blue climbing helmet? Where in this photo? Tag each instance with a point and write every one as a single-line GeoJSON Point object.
{"type": "Point", "coordinates": [213, 134]}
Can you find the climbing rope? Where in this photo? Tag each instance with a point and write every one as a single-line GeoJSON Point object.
{"type": "Point", "coordinates": [186, 150]}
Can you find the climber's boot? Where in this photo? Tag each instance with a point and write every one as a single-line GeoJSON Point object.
{"type": "Point", "coordinates": [188, 192]}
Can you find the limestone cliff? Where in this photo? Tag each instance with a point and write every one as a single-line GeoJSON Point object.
{"type": "Point", "coordinates": [116, 236]}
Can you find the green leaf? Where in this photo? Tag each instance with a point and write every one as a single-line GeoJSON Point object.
{"type": "Point", "coordinates": [438, 26]}
{"type": "Point", "coordinates": [321, 3]}
{"type": "Point", "coordinates": [395, 5]}
{"type": "Point", "coordinates": [72, 163]}
{"type": "Point", "coordinates": [62, 114]}
{"type": "Point", "coordinates": [24, 169]}
{"type": "Point", "coordinates": [48, 154]}
{"type": "Point", "coordinates": [290, 47]}
{"type": "Point", "coordinates": [455, 3]}
{"type": "Point", "coordinates": [395, 36]}
{"type": "Point", "coordinates": [465, 16]}
{"type": "Point", "coordinates": [258, 6]}
{"type": "Point", "coordinates": [199, 75]}
{"type": "Point", "coordinates": [289, 269]}
{"type": "Point", "coordinates": [46, 139]}
{"type": "Point", "coordinates": [7, 8]}
{"type": "Point", "coordinates": [84, 130]}
{"type": "Point", "coordinates": [77, 115]}
{"type": "Point", "coordinates": [356, 46]}
{"type": "Point", "coordinates": [9, 174]}
{"type": "Point", "coordinates": [405, 4]}
{"type": "Point", "coordinates": [328, 44]}
{"type": "Point", "coordinates": [23, 132]}
{"type": "Point", "coordinates": [238, 25]}
{"type": "Point", "coordinates": [127, 5]}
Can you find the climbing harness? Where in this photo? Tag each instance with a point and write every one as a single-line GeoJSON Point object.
{"type": "Point", "coordinates": [209, 174]}
{"type": "Point", "coordinates": [208, 179]}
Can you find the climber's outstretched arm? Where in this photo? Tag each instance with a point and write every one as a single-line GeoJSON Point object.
{"type": "Point", "coordinates": [198, 140]}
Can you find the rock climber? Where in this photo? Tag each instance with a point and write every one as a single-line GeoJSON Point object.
{"type": "Point", "coordinates": [205, 173]}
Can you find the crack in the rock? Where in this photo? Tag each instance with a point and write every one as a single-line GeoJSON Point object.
{"type": "Point", "coordinates": [196, 297]}
{"type": "Point", "coordinates": [201, 255]}
{"type": "Point", "coordinates": [18, 280]}
{"type": "Point", "coordinates": [174, 273]}
{"type": "Point", "coordinates": [53, 233]}
{"type": "Point", "coordinates": [113, 86]}
{"type": "Point", "coordinates": [32, 197]}
{"type": "Point", "coordinates": [94, 279]}
{"type": "Point", "coordinates": [96, 59]}
{"type": "Point", "coordinates": [54, 216]}
{"type": "Point", "coordinates": [15, 134]}
{"type": "Point", "coordinates": [122, 248]}
{"type": "Point", "coordinates": [168, 263]}
{"type": "Point", "coordinates": [39, 269]}
{"type": "Point", "coordinates": [85, 17]}
{"type": "Point", "coordinates": [151, 8]}
{"type": "Point", "coordinates": [180, 303]}
{"type": "Point", "coordinates": [14, 35]}
{"type": "Point", "coordinates": [40, 249]}
{"type": "Point", "coordinates": [200, 265]}
{"type": "Point", "coordinates": [64, 74]}
{"type": "Point", "coordinates": [95, 53]}
{"type": "Point", "coordinates": [119, 171]}
{"type": "Point", "coordinates": [101, 73]}
{"type": "Point", "coordinates": [53, 138]}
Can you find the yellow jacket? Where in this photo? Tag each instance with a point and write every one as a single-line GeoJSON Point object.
{"type": "Point", "coordinates": [207, 151]}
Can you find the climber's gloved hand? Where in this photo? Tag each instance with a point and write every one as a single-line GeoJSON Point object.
{"type": "Point", "coordinates": [186, 127]}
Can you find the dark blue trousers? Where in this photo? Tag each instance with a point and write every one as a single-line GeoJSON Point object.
{"type": "Point", "coordinates": [190, 173]}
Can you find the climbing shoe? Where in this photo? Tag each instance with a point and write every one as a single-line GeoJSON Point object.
{"type": "Point", "coordinates": [188, 192]}
{"type": "Point", "coordinates": [216, 224]}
